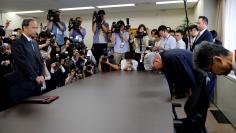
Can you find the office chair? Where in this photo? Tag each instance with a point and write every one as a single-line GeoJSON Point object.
{"type": "Point", "coordinates": [195, 107]}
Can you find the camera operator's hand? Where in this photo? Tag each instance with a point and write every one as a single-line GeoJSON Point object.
{"type": "Point", "coordinates": [39, 79]}
{"type": "Point", "coordinates": [51, 19]}
{"type": "Point", "coordinates": [100, 59]}
{"type": "Point", "coordinates": [7, 23]}
{"type": "Point", "coordinates": [6, 62]}
{"type": "Point", "coordinates": [94, 19]}
{"type": "Point", "coordinates": [47, 42]}
{"type": "Point", "coordinates": [104, 28]}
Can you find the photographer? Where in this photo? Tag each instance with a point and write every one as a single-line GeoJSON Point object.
{"type": "Point", "coordinates": [128, 64]}
{"type": "Point", "coordinates": [100, 29]}
{"type": "Point", "coordinates": [120, 38]}
{"type": "Point", "coordinates": [77, 32]}
{"type": "Point", "coordinates": [141, 42]}
{"type": "Point", "coordinates": [44, 41]}
{"type": "Point", "coordinates": [56, 26]}
{"type": "Point", "coordinates": [5, 59]}
{"type": "Point", "coordinates": [67, 49]}
{"type": "Point", "coordinates": [88, 69]}
{"type": "Point", "coordinates": [57, 72]}
{"type": "Point", "coordinates": [72, 77]}
{"type": "Point", "coordinates": [107, 65]}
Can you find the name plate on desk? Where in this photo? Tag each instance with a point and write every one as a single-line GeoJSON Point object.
{"type": "Point", "coordinates": [40, 99]}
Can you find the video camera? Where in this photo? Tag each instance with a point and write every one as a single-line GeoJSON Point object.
{"type": "Point", "coordinates": [117, 25]}
{"type": "Point", "coordinates": [74, 24]}
{"type": "Point", "coordinates": [98, 16]}
{"type": "Point", "coordinates": [54, 14]}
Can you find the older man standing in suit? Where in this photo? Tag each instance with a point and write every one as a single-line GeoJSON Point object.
{"type": "Point", "coordinates": [27, 60]}
{"type": "Point", "coordinates": [204, 34]}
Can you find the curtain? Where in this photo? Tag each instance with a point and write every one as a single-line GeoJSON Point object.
{"type": "Point", "coordinates": [219, 18]}
{"type": "Point", "coordinates": [229, 26]}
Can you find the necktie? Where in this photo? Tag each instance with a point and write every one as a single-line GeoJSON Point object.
{"type": "Point", "coordinates": [32, 45]}
{"type": "Point", "coordinates": [198, 35]}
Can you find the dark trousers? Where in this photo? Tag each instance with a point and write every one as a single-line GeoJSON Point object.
{"type": "Point", "coordinates": [98, 50]}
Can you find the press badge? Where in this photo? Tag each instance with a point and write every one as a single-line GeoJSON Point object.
{"type": "Point", "coordinates": [79, 38]}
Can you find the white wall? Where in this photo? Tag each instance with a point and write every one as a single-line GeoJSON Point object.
{"type": "Point", "coordinates": [225, 96]}
{"type": "Point", "coordinates": [16, 21]}
{"type": "Point", "coordinates": [206, 8]}
{"type": "Point", "coordinates": [152, 19]}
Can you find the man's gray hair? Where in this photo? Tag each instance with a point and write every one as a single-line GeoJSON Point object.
{"type": "Point", "coordinates": [26, 22]}
{"type": "Point", "coordinates": [148, 60]}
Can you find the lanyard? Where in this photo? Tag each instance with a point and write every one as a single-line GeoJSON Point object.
{"type": "Point", "coordinates": [166, 41]}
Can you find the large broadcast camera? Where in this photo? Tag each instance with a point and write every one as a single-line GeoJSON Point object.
{"type": "Point", "coordinates": [98, 16]}
{"type": "Point", "coordinates": [52, 13]}
{"type": "Point", "coordinates": [116, 26]}
{"type": "Point", "coordinates": [74, 24]}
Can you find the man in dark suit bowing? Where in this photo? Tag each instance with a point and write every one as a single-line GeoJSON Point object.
{"type": "Point", "coordinates": [27, 60]}
{"type": "Point", "coordinates": [204, 34]}
{"type": "Point", "coordinates": [176, 64]}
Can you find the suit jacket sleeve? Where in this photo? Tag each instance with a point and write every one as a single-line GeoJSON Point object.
{"type": "Point", "coordinates": [40, 58]}
{"type": "Point", "coordinates": [208, 37]}
{"type": "Point", "coordinates": [20, 60]}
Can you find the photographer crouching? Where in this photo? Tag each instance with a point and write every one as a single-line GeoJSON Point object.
{"type": "Point", "coordinates": [100, 29]}
{"type": "Point", "coordinates": [56, 26]}
{"type": "Point", "coordinates": [77, 32]}
{"type": "Point", "coordinates": [120, 38]}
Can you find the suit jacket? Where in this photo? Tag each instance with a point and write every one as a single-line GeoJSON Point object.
{"type": "Point", "coordinates": [206, 36]}
{"type": "Point", "coordinates": [178, 69]}
{"type": "Point", "coordinates": [27, 64]}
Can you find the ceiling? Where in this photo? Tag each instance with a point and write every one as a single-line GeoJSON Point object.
{"type": "Point", "coordinates": [26, 5]}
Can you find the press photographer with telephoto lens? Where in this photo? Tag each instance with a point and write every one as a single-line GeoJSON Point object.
{"type": "Point", "coordinates": [56, 26]}
{"type": "Point", "coordinates": [100, 29]}
{"type": "Point", "coordinates": [77, 32]}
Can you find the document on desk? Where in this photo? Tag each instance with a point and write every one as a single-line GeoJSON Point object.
{"type": "Point", "coordinates": [40, 99]}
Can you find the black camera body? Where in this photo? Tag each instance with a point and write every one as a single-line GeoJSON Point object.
{"type": "Point", "coordinates": [116, 27]}
{"type": "Point", "coordinates": [53, 13]}
{"type": "Point", "coordinates": [98, 17]}
{"type": "Point", "coordinates": [74, 24]}
{"type": "Point", "coordinates": [140, 35]}
{"type": "Point", "coordinates": [51, 36]}
{"type": "Point", "coordinates": [104, 59]}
